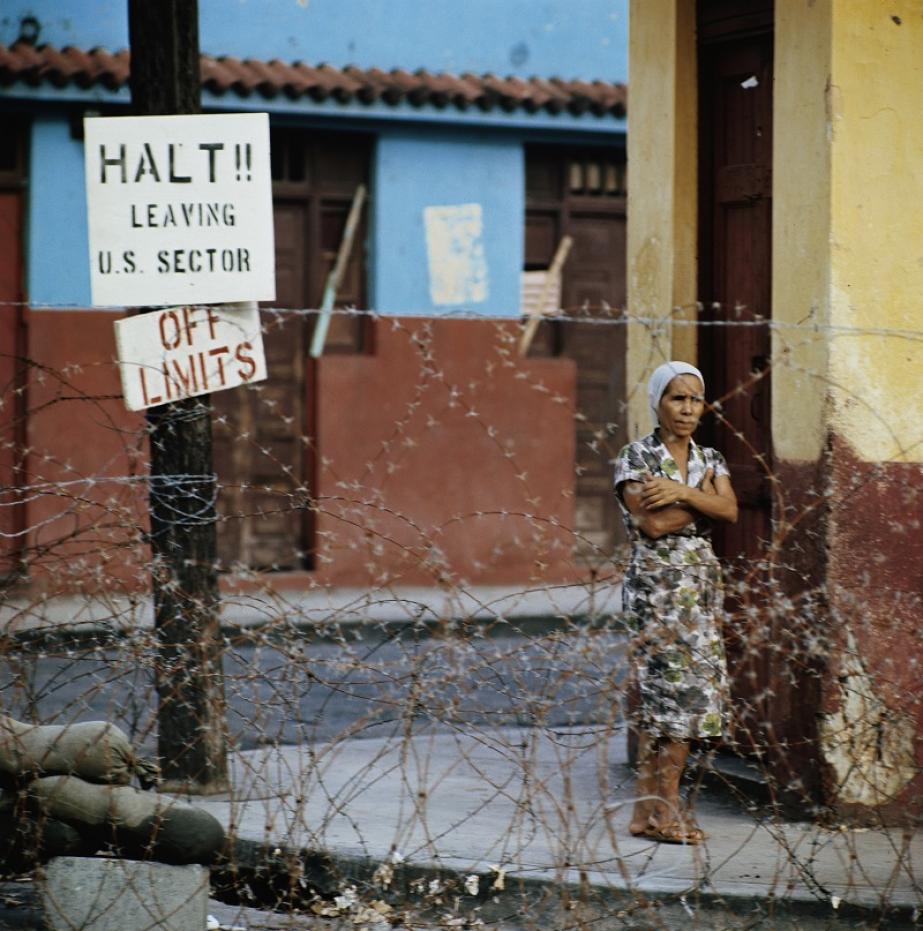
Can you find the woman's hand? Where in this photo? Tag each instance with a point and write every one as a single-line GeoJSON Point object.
{"type": "Point", "coordinates": [713, 498]}
{"type": "Point", "coordinates": [659, 493]}
{"type": "Point", "coordinates": [708, 482]}
{"type": "Point", "coordinates": [661, 506]}
{"type": "Point", "coordinates": [662, 492]}
{"type": "Point", "coordinates": [653, 522]}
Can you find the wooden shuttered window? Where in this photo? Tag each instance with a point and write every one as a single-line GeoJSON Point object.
{"type": "Point", "coordinates": [582, 193]}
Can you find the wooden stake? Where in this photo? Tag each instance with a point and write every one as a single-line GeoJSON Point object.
{"type": "Point", "coordinates": [537, 313]}
{"type": "Point", "coordinates": [336, 273]}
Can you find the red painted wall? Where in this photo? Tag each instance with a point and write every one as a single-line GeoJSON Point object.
{"type": "Point", "coordinates": [850, 562]}
{"type": "Point", "coordinates": [452, 441]}
{"type": "Point", "coordinates": [441, 457]}
{"type": "Point", "coordinates": [876, 580]}
{"type": "Point", "coordinates": [10, 375]}
{"type": "Point", "coordinates": [86, 454]}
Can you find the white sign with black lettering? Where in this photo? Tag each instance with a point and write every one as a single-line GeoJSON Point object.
{"type": "Point", "coordinates": [179, 209]}
{"type": "Point", "coordinates": [179, 352]}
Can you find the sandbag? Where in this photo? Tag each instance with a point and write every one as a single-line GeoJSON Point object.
{"type": "Point", "coordinates": [141, 825]}
{"type": "Point", "coordinates": [26, 841]}
{"type": "Point", "coordinates": [95, 750]}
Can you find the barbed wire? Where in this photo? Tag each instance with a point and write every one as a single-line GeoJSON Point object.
{"type": "Point", "coordinates": [587, 313]}
{"type": "Point", "coordinates": [426, 667]}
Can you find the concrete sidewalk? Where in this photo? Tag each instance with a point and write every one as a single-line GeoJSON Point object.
{"type": "Point", "coordinates": [321, 607]}
{"type": "Point", "coordinates": [552, 807]}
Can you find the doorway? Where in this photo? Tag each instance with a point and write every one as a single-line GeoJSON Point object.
{"type": "Point", "coordinates": [735, 272]}
{"type": "Point", "coordinates": [735, 287]}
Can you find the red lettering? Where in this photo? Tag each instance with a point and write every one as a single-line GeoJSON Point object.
{"type": "Point", "coordinates": [171, 315]}
{"type": "Point", "coordinates": [186, 379]}
{"type": "Point", "coordinates": [148, 400]}
{"type": "Point", "coordinates": [217, 354]}
{"type": "Point", "coordinates": [188, 323]}
{"type": "Point", "coordinates": [245, 360]}
{"type": "Point", "coordinates": [166, 382]}
{"type": "Point", "coordinates": [203, 370]}
{"type": "Point", "coordinates": [212, 320]}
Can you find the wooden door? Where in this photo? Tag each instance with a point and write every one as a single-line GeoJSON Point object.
{"type": "Point", "coordinates": [736, 352]}
{"type": "Point", "coordinates": [259, 451]}
{"type": "Point", "coordinates": [12, 347]}
{"type": "Point", "coordinates": [735, 284]}
{"type": "Point", "coordinates": [264, 435]}
{"type": "Point", "coordinates": [581, 193]}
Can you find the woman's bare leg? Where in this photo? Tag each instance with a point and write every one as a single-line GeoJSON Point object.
{"type": "Point", "coordinates": [646, 787]}
{"type": "Point", "coordinates": [671, 760]}
{"type": "Point", "coordinates": [669, 822]}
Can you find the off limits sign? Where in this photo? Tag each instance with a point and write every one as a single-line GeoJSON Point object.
{"type": "Point", "coordinates": [179, 352]}
{"type": "Point", "coordinates": [179, 209]}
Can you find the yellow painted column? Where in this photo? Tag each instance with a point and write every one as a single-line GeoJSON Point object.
{"type": "Point", "coordinates": [876, 381]}
{"type": "Point", "coordinates": [801, 243]}
{"type": "Point", "coordinates": [876, 360]}
{"type": "Point", "coordinates": [662, 193]}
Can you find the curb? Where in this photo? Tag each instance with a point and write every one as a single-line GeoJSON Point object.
{"type": "Point", "coordinates": [99, 637]}
{"type": "Point", "coordinates": [258, 875]}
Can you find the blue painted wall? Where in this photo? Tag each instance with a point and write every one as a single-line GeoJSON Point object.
{"type": "Point", "coordinates": [57, 254]}
{"type": "Point", "coordinates": [431, 164]}
{"type": "Point", "coordinates": [565, 38]}
{"type": "Point", "coordinates": [410, 172]}
{"type": "Point", "coordinates": [445, 170]}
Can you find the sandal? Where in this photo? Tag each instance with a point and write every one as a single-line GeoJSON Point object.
{"type": "Point", "coordinates": [673, 832]}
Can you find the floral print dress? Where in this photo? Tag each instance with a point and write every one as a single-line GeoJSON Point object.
{"type": "Point", "coordinates": [672, 597]}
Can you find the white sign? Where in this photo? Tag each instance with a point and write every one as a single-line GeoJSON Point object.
{"type": "Point", "coordinates": [179, 209]}
{"type": "Point", "coordinates": [180, 352]}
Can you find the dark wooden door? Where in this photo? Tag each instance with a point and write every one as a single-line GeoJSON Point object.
{"type": "Point", "coordinates": [12, 343]}
{"type": "Point", "coordinates": [735, 350]}
{"type": "Point", "coordinates": [737, 93]}
{"type": "Point", "coordinates": [260, 454]}
{"type": "Point", "coordinates": [264, 435]}
{"type": "Point", "coordinates": [581, 193]}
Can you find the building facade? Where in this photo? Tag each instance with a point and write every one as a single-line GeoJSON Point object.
{"type": "Point", "coordinates": [776, 149]}
{"type": "Point", "coordinates": [514, 111]}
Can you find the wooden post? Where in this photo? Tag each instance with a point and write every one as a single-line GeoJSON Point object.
{"type": "Point", "coordinates": [554, 272]}
{"type": "Point", "coordinates": [336, 273]}
{"type": "Point", "coordinates": [192, 741]}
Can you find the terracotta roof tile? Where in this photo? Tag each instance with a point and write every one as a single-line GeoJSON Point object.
{"type": "Point", "coordinates": [245, 77]}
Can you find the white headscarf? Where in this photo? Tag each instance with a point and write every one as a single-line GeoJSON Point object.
{"type": "Point", "coordinates": [661, 379]}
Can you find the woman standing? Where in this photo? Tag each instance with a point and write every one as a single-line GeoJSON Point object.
{"type": "Point", "coordinates": [670, 490]}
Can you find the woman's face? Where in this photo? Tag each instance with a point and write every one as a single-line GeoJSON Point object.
{"type": "Point", "coordinates": [681, 406]}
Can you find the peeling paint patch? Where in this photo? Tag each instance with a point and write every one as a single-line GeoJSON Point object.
{"type": "Point", "coordinates": [455, 252]}
{"type": "Point", "coordinates": [869, 745]}
{"type": "Point", "coordinates": [872, 374]}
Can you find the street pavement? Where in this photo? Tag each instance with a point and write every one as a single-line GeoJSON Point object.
{"type": "Point", "coordinates": [300, 691]}
{"type": "Point", "coordinates": [551, 806]}
{"type": "Point", "coordinates": [459, 757]}
{"type": "Point", "coordinates": [538, 812]}
{"type": "Point", "coordinates": [318, 607]}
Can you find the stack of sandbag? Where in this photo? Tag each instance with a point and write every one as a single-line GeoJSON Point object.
{"type": "Point", "coordinates": [140, 825]}
{"type": "Point", "coordinates": [66, 791]}
{"type": "Point", "coordinates": [95, 750]}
